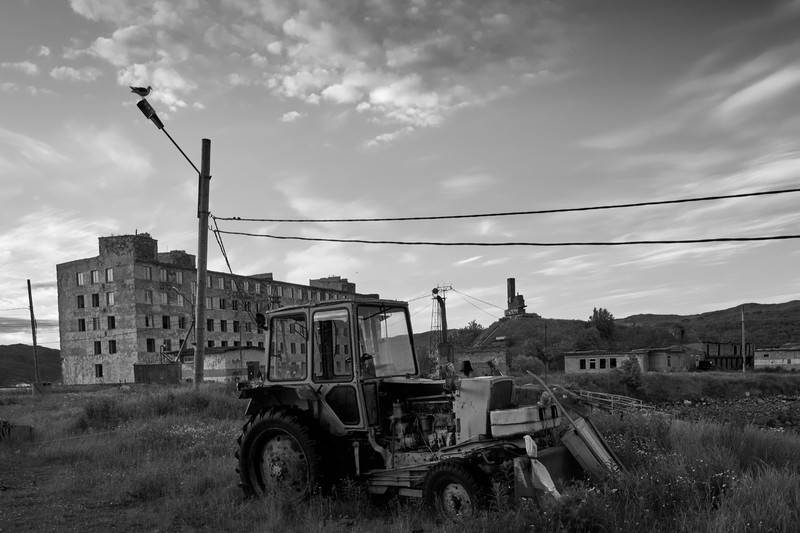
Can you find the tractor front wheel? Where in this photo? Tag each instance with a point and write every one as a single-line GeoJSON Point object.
{"type": "Point", "coordinates": [278, 456]}
{"type": "Point", "coordinates": [452, 490]}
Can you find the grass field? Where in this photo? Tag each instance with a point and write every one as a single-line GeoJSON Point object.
{"type": "Point", "coordinates": [161, 459]}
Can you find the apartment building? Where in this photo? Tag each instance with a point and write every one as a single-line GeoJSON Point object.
{"type": "Point", "coordinates": [133, 305]}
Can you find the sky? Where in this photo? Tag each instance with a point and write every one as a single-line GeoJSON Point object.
{"type": "Point", "coordinates": [410, 108]}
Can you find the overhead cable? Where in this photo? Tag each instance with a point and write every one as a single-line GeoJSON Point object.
{"type": "Point", "coordinates": [532, 244]}
{"type": "Point", "coordinates": [518, 213]}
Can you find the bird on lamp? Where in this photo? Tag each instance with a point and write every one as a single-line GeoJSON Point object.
{"type": "Point", "coordinates": [141, 91]}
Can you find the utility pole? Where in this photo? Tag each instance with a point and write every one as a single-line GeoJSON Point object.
{"type": "Point", "coordinates": [546, 358]}
{"type": "Point", "coordinates": [202, 261]}
{"type": "Point", "coordinates": [744, 355]}
{"type": "Point", "coordinates": [33, 333]}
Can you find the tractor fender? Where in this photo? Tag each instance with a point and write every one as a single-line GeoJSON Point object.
{"type": "Point", "coordinates": [302, 397]}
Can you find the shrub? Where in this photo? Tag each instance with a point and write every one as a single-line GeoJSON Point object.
{"type": "Point", "coordinates": [523, 363]}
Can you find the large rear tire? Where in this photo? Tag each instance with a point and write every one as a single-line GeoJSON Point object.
{"type": "Point", "coordinates": [452, 490]}
{"type": "Point", "coordinates": [278, 456]}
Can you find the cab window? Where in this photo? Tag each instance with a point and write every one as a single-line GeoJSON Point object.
{"type": "Point", "coordinates": [333, 357]}
{"type": "Point", "coordinates": [288, 354]}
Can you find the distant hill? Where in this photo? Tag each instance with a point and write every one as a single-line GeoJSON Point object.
{"type": "Point", "coordinates": [16, 364]}
{"type": "Point", "coordinates": [766, 325]}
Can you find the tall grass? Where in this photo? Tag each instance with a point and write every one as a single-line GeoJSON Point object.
{"type": "Point", "coordinates": [167, 453]}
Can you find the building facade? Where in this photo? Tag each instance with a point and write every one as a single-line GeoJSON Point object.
{"type": "Point", "coordinates": [133, 305]}
{"type": "Point", "coordinates": [669, 359]}
{"type": "Point", "coordinates": [786, 357]}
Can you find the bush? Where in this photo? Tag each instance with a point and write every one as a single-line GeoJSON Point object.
{"type": "Point", "coordinates": [523, 363]}
{"type": "Point", "coordinates": [630, 373]}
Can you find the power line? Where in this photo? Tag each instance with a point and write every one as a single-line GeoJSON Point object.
{"type": "Point", "coordinates": [478, 299]}
{"type": "Point", "coordinates": [476, 307]}
{"type": "Point", "coordinates": [537, 244]}
{"type": "Point", "coordinates": [518, 213]}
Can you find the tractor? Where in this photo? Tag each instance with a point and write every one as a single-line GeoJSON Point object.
{"type": "Point", "coordinates": [343, 395]}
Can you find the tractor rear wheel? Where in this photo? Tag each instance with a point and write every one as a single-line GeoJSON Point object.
{"type": "Point", "coordinates": [278, 456]}
{"type": "Point", "coordinates": [453, 490]}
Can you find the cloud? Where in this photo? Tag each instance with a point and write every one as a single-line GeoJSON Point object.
{"type": "Point", "coordinates": [43, 51]}
{"type": "Point", "coordinates": [468, 184]}
{"type": "Point", "coordinates": [386, 138]}
{"type": "Point", "coordinates": [73, 74]}
{"type": "Point", "coordinates": [766, 91]}
{"type": "Point", "coordinates": [291, 116]}
{"type": "Point", "coordinates": [27, 154]}
{"type": "Point", "coordinates": [25, 67]}
{"type": "Point", "coordinates": [407, 65]}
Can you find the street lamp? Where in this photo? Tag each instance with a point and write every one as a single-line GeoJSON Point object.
{"type": "Point", "coordinates": [204, 178]}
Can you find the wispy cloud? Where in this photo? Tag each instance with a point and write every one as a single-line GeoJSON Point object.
{"type": "Point", "coordinates": [85, 74]}
{"type": "Point", "coordinates": [25, 67]}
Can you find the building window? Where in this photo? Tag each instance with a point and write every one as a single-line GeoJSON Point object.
{"type": "Point", "coordinates": [164, 274]}
{"type": "Point", "coordinates": [112, 322]}
{"type": "Point", "coordinates": [209, 302]}
{"type": "Point", "coordinates": [81, 279]}
{"type": "Point", "coordinates": [235, 305]}
{"type": "Point", "coordinates": [181, 322]}
{"type": "Point", "coordinates": [148, 273]}
{"type": "Point", "coordinates": [602, 363]}
{"type": "Point", "coordinates": [210, 344]}
{"type": "Point", "coordinates": [246, 286]}
{"type": "Point", "coordinates": [258, 288]}
{"type": "Point", "coordinates": [148, 297]}
{"type": "Point", "coordinates": [81, 324]}
{"type": "Point", "coordinates": [210, 324]}
{"type": "Point", "coordinates": [222, 303]}
{"type": "Point", "coordinates": [221, 283]}
{"type": "Point", "coordinates": [247, 306]}
{"type": "Point", "coordinates": [592, 364]}
{"type": "Point", "coordinates": [95, 276]}
{"type": "Point", "coordinates": [248, 327]}
{"type": "Point", "coordinates": [165, 322]}
{"type": "Point", "coordinates": [112, 346]}
{"type": "Point", "coordinates": [98, 347]}
{"type": "Point", "coordinates": [179, 277]}
{"type": "Point", "coordinates": [96, 323]}
{"type": "Point", "coordinates": [223, 325]}
{"type": "Point", "coordinates": [669, 360]}
{"type": "Point", "coordinates": [612, 363]}
{"type": "Point", "coordinates": [95, 300]}
{"type": "Point", "coordinates": [248, 343]}
{"type": "Point", "coordinates": [179, 300]}
{"type": "Point", "coordinates": [236, 326]}
{"type": "Point", "coordinates": [582, 364]}
{"type": "Point", "coordinates": [109, 275]}
{"type": "Point", "coordinates": [224, 344]}
{"type": "Point", "coordinates": [109, 298]}
{"type": "Point", "coordinates": [98, 371]}
{"type": "Point", "coordinates": [151, 345]}
{"type": "Point", "coordinates": [81, 301]}
{"type": "Point", "coordinates": [209, 282]}
{"type": "Point", "coordinates": [261, 344]}
{"type": "Point", "coordinates": [167, 345]}
{"type": "Point", "coordinates": [194, 288]}
{"type": "Point", "coordinates": [148, 321]}
{"type": "Point", "coordinates": [236, 343]}
{"type": "Point", "coordinates": [164, 298]}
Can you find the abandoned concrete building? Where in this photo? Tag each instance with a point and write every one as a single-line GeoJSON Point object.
{"type": "Point", "coordinates": [132, 305]}
{"type": "Point", "coordinates": [672, 358]}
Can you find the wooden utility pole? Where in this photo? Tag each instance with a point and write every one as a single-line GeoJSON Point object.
{"type": "Point", "coordinates": [33, 333]}
{"type": "Point", "coordinates": [744, 354]}
{"type": "Point", "coordinates": [202, 261]}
